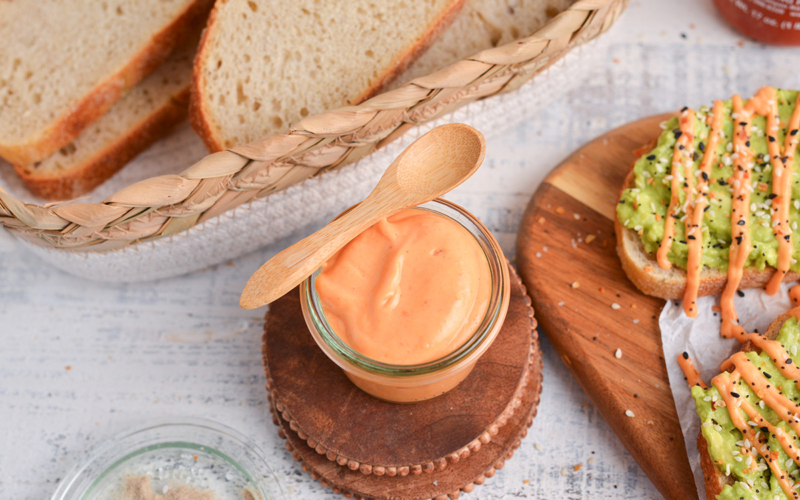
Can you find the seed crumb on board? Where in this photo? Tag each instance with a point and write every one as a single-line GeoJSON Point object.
{"type": "Point", "coordinates": [575, 284]}
{"type": "Point", "coordinates": [560, 210]}
{"type": "Point", "coordinates": [538, 446]}
{"type": "Point", "coordinates": [564, 471]}
{"type": "Point", "coordinates": [577, 467]}
{"type": "Point", "coordinates": [576, 216]}
{"type": "Point", "coordinates": [590, 461]}
{"type": "Point", "coordinates": [526, 481]}
{"type": "Point", "coordinates": [615, 306]}
{"type": "Point", "coordinates": [541, 220]}
{"type": "Point", "coordinates": [618, 353]}
{"type": "Point", "coordinates": [590, 238]}
{"type": "Point", "coordinates": [629, 413]}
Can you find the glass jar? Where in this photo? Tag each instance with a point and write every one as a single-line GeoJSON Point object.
{"type": "Point", "coordinates": [411, 383]}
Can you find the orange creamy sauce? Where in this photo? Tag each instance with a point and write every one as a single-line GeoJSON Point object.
{"type": "Point", "coordinates": [411, 289]}
{"type": "Point", "coordinates": [763, 103]}
{"type": "Point", "coordinates": [739, 369]}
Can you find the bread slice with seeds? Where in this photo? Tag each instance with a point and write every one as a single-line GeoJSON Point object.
{"type": "Point", "coordinates": [64, 63]}
{"type": "Point", "coordinates": [644, 272]}
{"type": "Point", "coordinates": [715, 479]}
{"type": "Point", "coordinates": [263, 65]}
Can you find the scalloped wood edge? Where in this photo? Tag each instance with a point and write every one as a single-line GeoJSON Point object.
{"type": "Point", "coordinates": [467, 488]}
{"type": "Point", "coordinates": [440, 463]}
{"type": "Point", "coordinates": [165, 205]}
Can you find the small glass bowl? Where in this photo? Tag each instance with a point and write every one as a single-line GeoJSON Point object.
{"type": "Point", "coordinates": [192, 452]}
{"type": "Point", "coordinates": [412, 383]}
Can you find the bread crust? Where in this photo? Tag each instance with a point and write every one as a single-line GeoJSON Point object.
{"type": "Point", "coordinates": [201, 120]}
{"type": "Point", "coordinates": [107, 161]}
{"type": "Point", "coordinates": [643, 271]}
{"type": "Point", "coordinates": [715, 480]}
{"type": "Point", "coordinates": [94, 104]}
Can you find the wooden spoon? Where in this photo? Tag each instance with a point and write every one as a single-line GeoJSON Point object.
{"type": "Point", "coordinates": [433, 165]}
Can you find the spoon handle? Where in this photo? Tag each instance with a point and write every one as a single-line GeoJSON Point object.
{"type": "Point", "coordinates": [294, 264]}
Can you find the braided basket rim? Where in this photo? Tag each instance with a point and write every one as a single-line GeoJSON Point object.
{"type": "Point", "coordinates": [169, 204]}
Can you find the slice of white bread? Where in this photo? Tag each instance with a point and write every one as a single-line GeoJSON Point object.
{"type": "Point", "coordinates": [481, 25]}
{"type": "Point", "coordinates": [263, 65]}
{"type": "Point", "coordinates": [143, 115]}
{"type": "Point", "coordinates": [714, 478]}
{"type": "Point", "coordinates": [644, 272]}
{"type": "Point", "coordinates": [63, 63]}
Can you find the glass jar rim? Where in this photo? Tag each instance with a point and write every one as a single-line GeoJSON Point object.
{"type": "Point", "coordinates": [492, 317]}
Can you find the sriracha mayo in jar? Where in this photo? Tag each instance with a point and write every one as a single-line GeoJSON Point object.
{"type": "Point", "coordinates": [770, 21]}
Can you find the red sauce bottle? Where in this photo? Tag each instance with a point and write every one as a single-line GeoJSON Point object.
{"type": "Point", "coordinates": [770, 21]}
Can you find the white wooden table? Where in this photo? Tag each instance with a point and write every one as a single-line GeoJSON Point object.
{"type": "Point", "coordinates": [80, 361]}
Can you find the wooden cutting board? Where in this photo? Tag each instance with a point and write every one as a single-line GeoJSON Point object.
{"type": "Point", "coordinates": [587, 307]}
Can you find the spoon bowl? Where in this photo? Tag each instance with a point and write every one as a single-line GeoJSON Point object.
{"type": "Point", "coordinates": [431, 166]}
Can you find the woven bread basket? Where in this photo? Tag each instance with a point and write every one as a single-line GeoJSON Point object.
{"type": "Point", "coordinates": [112, 240]}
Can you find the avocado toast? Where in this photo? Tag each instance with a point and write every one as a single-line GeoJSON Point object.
{"type": "Point", "coordinates": [752, 452]}
{"type": "Point", "coordinates": [720, 185]}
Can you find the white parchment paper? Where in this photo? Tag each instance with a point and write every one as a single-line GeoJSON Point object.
{"type": "Point", "coordinates": [700, 337]}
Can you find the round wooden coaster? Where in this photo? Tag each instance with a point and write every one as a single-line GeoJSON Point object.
{"type": "Point", "coordinates": [349, 427]}
{"type": "Point", "coordinates": [439, 484]}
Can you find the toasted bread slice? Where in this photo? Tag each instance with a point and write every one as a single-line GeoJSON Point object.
{"type": "Point", "coordinates": [64, 63]}
{"type": "Point", "coordinates": [644, 272]}
{"type": "Point", "coordinates": [714, 477]}
{"type": "Point", "coordinates": [145, 114]}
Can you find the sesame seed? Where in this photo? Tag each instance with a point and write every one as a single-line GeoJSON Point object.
{"type": "Point", "coordinates": [615, 306]}
{"type": "Point", "coordinates": [576, 216]}
{"type": "Point", "coordinates": [537, 446]}
{"type": "Point", "coordinates": [563, 472]}
{"type": "Point", "coordinates": [575, 284]}
{"type": "Point", "coordinates": [618, 353]}
{"type": "Point", "coordinates": [629, 413]}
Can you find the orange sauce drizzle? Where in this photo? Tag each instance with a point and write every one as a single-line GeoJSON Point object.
{"type": "Point", "coordinates": [694, 231]}
{"type": "Point", "coordinates": [794, 295]}
{"type": "Point", "coordinates": [726, 384]}
{"type": "Point", "coordinates": [781, 187]}
{"type": "Point", "coordinates": [681, 157]}
{"type": "Point", "coordinates": [689, 370]}
{"type": "Point", "coordinates": [740, 215]}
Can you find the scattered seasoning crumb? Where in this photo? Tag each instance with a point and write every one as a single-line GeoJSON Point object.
{"type": "Point", "coordinates": [601, 289]}
{"type": "Point", "coordinates": [544, 249]}
{"type": "Point", "coordinates": [68, 367]}
{"type": "Point", "coordinates": [538, 255]}
{"type": "Point", "coordinates": [590, 461]}
{"type": "Point", "coordinates": [615, 306]}
{"type": "Point", "coordinates": [649, 422]}
{"type": "Point", "coordinates": [636, 322]}
{"type": "Point", "coordinates": [537, 446]}
{"type": "Point", "coordinates": [590, 238]}
{"type": "Point", "coordinates": [560, 210]}
{"type": "Point", "coordinates": [526, 481]}
{"type": "Point", "coordinates": [541, 220]}
{"type": "Point", "coordinates": [561, 303]}
{"type": "Point", "coordinates": [616, 60]}
{"type": "Point", "coordinates": [575, 284]}
{"type": "Point", "coordinates": [633, 306]}
{"type": "Point", "coordinates": [563, 472]}
{"type": "Point", "coordinates": [577, 467]}
{"type": "Point", "coordinates": [576, 216]}
{"type": "Point", "coordinates": [629, 413]}
{"type": "Point", "coordinates": [436, 483]}
{"type": "Point", "coordinates": [618, 353]}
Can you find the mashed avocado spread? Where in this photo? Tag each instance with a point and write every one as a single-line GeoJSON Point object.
{"type": "Point", "coordinates": [643, 208]}
{"type": "Point", "coordinates": [725, 440]}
